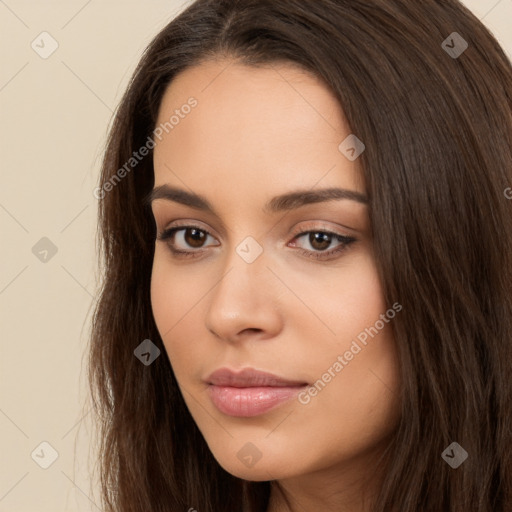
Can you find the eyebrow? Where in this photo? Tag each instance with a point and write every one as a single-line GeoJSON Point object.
{"type": "Point", "coordinates": [284, 202]}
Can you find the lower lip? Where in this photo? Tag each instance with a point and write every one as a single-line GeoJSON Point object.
{"type": "Point", "coordinates": [247, 402]}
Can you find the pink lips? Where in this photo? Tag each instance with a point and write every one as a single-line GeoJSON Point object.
{"type": "Point", "coordinates": [249, 392]}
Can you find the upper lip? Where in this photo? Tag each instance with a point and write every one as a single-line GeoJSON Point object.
{"type": "Point", "coordinates": [249, 377]}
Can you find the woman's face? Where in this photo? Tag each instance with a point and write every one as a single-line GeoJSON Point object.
{"type": "Point", "coordinates": [274, 278]}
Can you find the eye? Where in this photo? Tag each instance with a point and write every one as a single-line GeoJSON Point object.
{"type": "Point", "coordinates": [178, 238]}
{"type": "Point", "coordinates": [320, 240]}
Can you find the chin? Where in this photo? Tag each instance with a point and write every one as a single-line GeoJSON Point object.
{"type": "Point", "coordinates": [255, 463]}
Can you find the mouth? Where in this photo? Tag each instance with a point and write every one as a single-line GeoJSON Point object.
{"type": "Point", "coordinates": [250, 392]}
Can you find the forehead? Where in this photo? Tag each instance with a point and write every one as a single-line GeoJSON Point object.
{"type": "Point", "coordinates": [258, 130]}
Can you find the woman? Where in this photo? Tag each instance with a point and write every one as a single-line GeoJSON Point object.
{"type": "Point", "coordinates": [307, 246]}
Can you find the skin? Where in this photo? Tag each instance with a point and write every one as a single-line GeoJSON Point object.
{"type": "Point", "coordinates": [257, 133]}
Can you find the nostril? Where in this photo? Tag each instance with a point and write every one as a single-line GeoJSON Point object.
{"type": "Point", "coordinates": [251, 329]}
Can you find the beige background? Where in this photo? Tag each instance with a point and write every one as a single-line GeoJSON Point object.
{"type": "Point", "coordinates": [54, 116]}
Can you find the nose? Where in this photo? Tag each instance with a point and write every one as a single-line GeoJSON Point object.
{"type": "Point", "coordinates": [244, 303]}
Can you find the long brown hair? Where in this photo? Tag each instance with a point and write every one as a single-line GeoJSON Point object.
{"type": "Point", "coordinates": [438, 161]}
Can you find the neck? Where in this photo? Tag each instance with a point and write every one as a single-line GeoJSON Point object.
{"type": "Point", "coordinates": [348, 487]}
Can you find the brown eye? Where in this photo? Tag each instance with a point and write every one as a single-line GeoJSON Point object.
{"type": "Point", "coordinates": [194, 237]}
{"type": "Point", "coordinates": [320, 244]}
{"type": "Point", "coordinates": [185, 241]}
{"type": "Point", "coordinates": [320, 240]}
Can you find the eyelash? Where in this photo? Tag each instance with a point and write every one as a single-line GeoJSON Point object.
{"type": "Point", "coordinates": [345, 241]}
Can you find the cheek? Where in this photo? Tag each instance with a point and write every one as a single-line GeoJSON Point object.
{"type": "Point", "coordinates": [163, 297]}
{"type": "Point", "coordinates": [177, 301]}
{"type": "Point", "coordinates": [165, 301]}
{"type": "Point", "coordinates": [174, 292]}
{"type": "Point", "coordinates": [348, 299]}
{"type": "Point", "coordinates": [362, 395]}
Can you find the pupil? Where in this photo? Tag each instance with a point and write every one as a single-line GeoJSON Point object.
{"type": "Point", "coordinates": [323, 239]}
{"type": "Point", "coordinates": [196, 237]}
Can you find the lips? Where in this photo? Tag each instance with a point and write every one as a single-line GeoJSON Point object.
{"type": "Point", "coordinates": [248, 378]}
{"type": "Point", "coordinates": [249, 392]}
